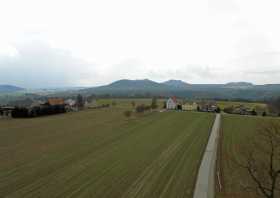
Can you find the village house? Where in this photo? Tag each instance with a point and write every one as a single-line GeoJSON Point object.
{"type": "Point", "coordinates": [55, 101]}
{"type": "Point", "coordinates": [70, 105]}
{"type": "Point", "coordinates": [241, 110]}
{"type": "Point", "coordinates": [208, 106]}
{"type": "Point", "coordinates": [171, 103]}
{"type": "Point", "coordinates": [70, 102]}
{"type": "Point", "coordinates": [189, 106]}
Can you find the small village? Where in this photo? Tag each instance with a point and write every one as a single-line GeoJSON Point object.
{"type": "Point", "coordinates": [63, 105]}
{"type": "Point", "coordinates": [49, 107]}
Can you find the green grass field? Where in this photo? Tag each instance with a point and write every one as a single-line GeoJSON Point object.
{"type": "Point", "coordinates": [237, 132]}
{"type": "Point", "coordinates": [252, 105]}
{"type": "Point", "coordinates": [127, 103]}
{"type": "Point", "coordinates": [100, 153]}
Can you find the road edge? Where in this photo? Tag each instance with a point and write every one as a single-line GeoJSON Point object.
{"type": "Point", "coordinates": [205, 183]}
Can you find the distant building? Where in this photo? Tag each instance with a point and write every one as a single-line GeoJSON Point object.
{"type": "Point", "coordinates": [208, 106]}
{"type": "Point", "coordinates": [37, 103]}
{"type": "Point", "coordinates": [71, 105]}
{"type": "Point", "coordinates": [242, 110]}
{"type": "Point", "coordinates": [189, 106]}
{"type": "Point", "coordinates": [70, 102]}
{"type": "Point", "coordinates": [56, 101]}
{"type": "Point", "coordinates": [171, 103]}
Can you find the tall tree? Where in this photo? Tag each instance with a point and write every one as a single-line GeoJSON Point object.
{"type": "Point", "coordinates": [154, 103]}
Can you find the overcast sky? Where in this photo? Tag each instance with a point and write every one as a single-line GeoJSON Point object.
{"type": "Point", "coordinates": [57, 43]}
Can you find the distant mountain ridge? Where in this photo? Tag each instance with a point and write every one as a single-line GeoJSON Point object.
{"type": "Point", "coordinates": [241, 85]}
{"type": "Point", "coordinates": [176, 83]}
{"type": "Point", "coordinates": [9, 89]}
{"type": "Point", "coordinates": [146, 87]}
{"type": "Point", "coordinates": [134, 84]}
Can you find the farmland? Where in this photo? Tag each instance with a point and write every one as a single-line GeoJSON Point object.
{"type": "Point", "coordinates": [100, 153]}
{"type": "Point", "coordinates": [237, 131]}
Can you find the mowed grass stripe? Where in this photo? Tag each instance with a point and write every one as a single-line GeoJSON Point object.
{"type": "Point", "coordinates": [71, 153]}
{"type": "Point", "coordinates": [104, 160]}
{"type": "Point", "coordinates": [155, 177]}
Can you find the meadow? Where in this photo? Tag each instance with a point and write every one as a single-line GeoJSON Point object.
{"type": "Point", "coordinates": [252, 105]}
{"type": "Point", "coordinates": [237, 133]}
{"type": "Point", "coordinates": [101, 153]}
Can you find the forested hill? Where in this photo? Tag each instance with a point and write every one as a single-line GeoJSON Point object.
{"type": "Point", "coordinates": [232, 90]}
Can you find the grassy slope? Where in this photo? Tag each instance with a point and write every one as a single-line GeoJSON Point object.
{"type": "Point", "coordinates": [99, 153]}
{"type": "Point", "coordinates": [236, 132]}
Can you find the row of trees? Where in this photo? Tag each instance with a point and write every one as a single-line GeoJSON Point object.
{"type": "Point", "coordinates": [22, 112]}
{"type": "Point", "coordinates": [142, 107]}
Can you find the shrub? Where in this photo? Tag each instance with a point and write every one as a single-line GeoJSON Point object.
{"type": "Point", "coordinates": [127, 113]}
{"type": "Point", "coordinates": [228, 109]}
{"type": "Point", "coordinates": [133, 104]}
{"type": "Point", "coordinates": [218, 110]}
{"type": "Point", "coordinates": [179, 107]}
{"type": "Point", "coordinates": [20, 113]}
{"type": "Point", "coordinates": [147, 107]}
{"type": "Point", "coordinates": [140, 108]}
{"type": "Point", "coordinates": [254, 113]}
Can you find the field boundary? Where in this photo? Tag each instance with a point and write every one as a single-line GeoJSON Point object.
{"type": "Point", "coordinates": [205, 184]}
{"type": "Point", "coordinates": [219, 166]}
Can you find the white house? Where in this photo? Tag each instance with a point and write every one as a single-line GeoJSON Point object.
{"type": "Point", "coordinates": [70, 102]}
{"type": "Point", "coordinates": [171, 103]}
{"type": "Point", "coordinates": [71, 105]}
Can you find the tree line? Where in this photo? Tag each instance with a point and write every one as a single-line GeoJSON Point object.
{"type": "Point", "coordinates": [23, 112]}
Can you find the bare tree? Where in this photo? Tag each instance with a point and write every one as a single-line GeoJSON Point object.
{"type": "Point", "coordinates": [262, 162]}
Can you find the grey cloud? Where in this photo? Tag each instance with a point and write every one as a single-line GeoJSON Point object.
{"type": "Point", "coordinates": [222, 7]}
{"type": "Point", "coordinates": [258, 61]}
{"type": "Point", "coordinates": [187, 73]}
{"type": "Point", "coordinates": [39, 65]}
{"type": "Point", "coordinates": [266, 72]}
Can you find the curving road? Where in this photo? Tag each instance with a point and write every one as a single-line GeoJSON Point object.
{"type": "Point", "coordinates": [205, 184]}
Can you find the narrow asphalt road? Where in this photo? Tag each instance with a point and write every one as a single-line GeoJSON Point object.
{"type": "Point", "coordinates": [205, 183]}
